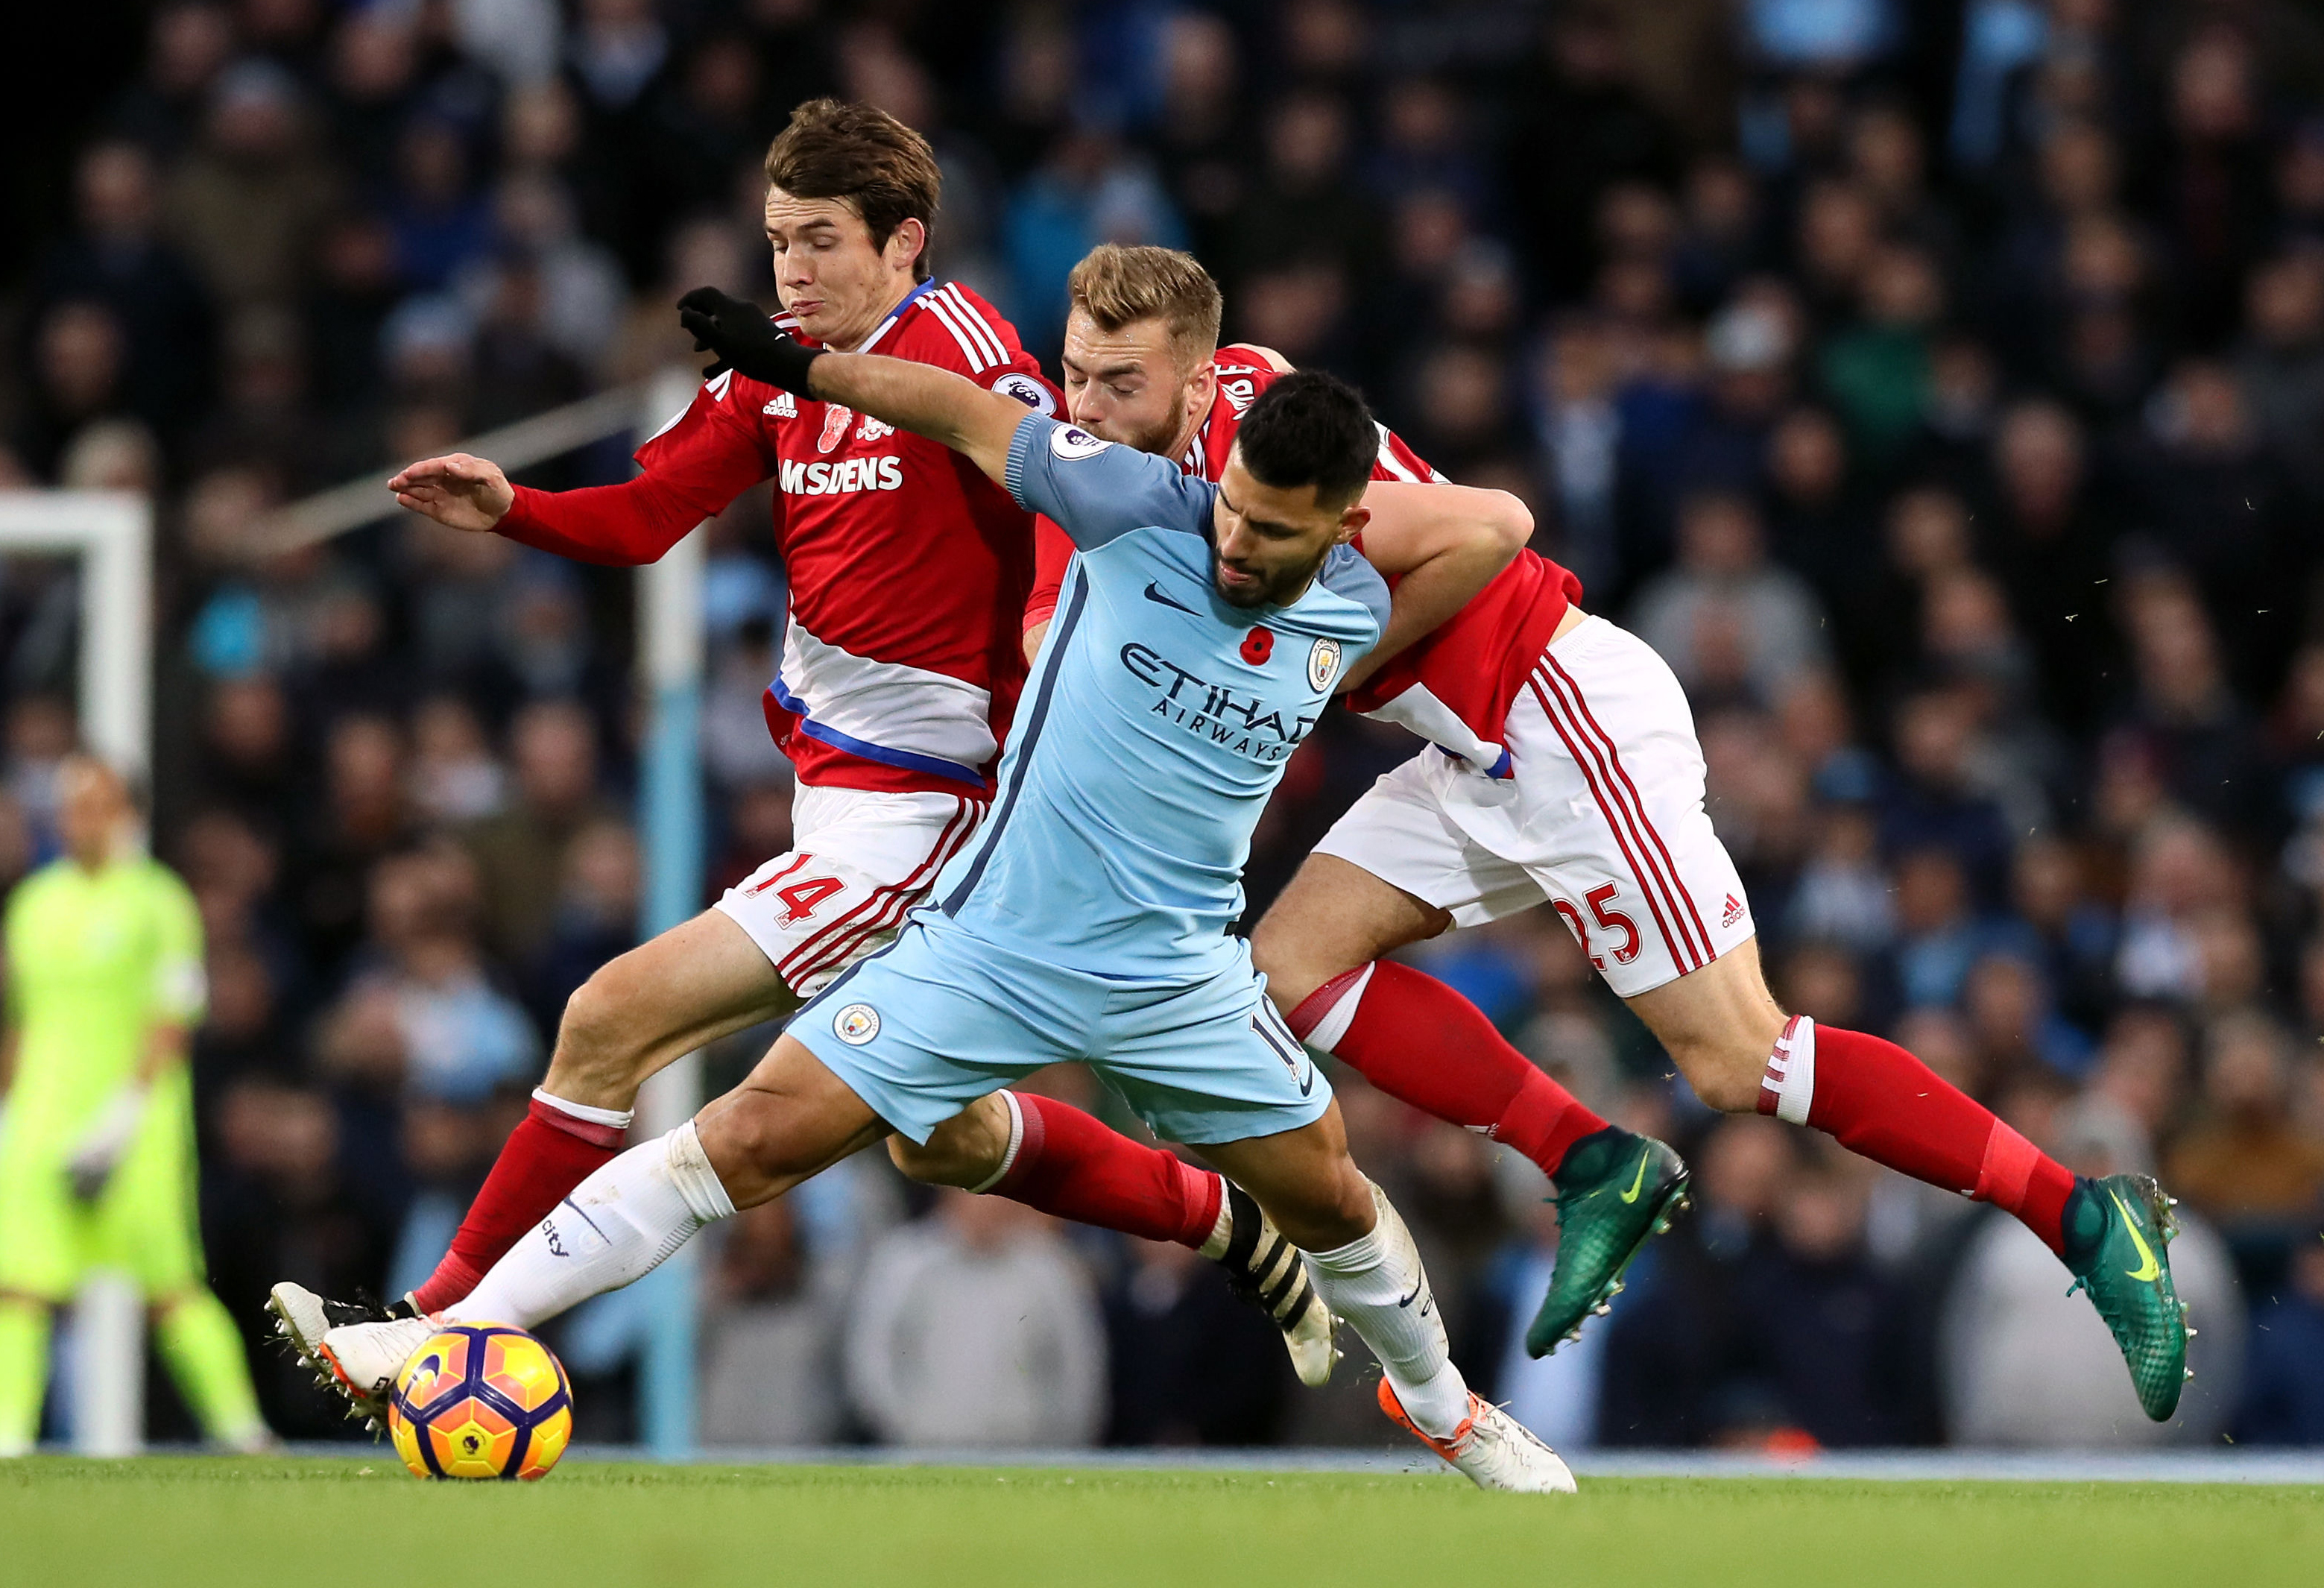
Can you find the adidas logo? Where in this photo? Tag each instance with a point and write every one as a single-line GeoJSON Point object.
{"type": "Point", "coordinates": [1734, 912]}
{"type": "Point", "coordinates": [784, 406]}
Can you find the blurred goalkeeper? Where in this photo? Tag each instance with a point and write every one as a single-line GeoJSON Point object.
{"type": "Point", "coordinates": [96, 1144]}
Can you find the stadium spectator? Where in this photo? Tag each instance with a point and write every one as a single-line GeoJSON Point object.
{"type": "Point", "coordinates": [977, 1327]}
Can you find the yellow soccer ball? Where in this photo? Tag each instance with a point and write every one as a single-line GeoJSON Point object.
{"type": "Point", "coordinates": [480, 1400]}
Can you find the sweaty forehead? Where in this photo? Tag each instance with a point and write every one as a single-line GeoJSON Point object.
{"type": "Point", "coordinates": [1142, 343]}
{"type": "Point", "coordinates": [786, 213]}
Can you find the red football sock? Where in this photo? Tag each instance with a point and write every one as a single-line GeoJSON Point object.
{"type": "Point", "coordinates": [548, 1154]}
{"type": "Point", "coordinates": [1066, 1163]}
{"type": "Point", "coordinates": [1881, 1102]}
{"type": "Point", "coordinates": [1422, 1043]}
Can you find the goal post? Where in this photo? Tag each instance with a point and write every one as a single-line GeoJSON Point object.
{"type": "Point", "coordinates": [111, 532]}
{"type": "Point", "coordinates": [110, 535]}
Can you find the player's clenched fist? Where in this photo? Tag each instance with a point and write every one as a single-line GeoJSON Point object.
{"type": "Point", "coordinates": [457, 491]}
{"type": "Point", "coordinates": [744, 339]}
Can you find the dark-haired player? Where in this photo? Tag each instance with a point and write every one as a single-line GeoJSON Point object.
{"type": "Point", "coordinates": [1203, 630]}
{"type": "Point", "coordinates": [907, 571]}
{"type": "Point", "coordinates": [1571, 775]}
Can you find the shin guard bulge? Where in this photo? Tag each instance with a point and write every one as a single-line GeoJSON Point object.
{"type": "Point", "coordinates": [616, 1227]}
{"type": "Point", "coordinates": [1065, 1162]}
{"type": "Point", "coordinates": [1879, 1101]}
{"type": "Point", "coordinates": [553, 1149]}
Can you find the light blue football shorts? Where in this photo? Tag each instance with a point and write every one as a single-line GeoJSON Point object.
{"type": "Point", "coordinates": [941, 1017]}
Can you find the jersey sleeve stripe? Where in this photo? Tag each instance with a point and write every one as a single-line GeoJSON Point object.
{"type": "Point", "coordinates": [964, 316]}
{"type": "Point", "coordinates": [1390, 461]}
{"type": "Point", "coordinates": [976, 322]}
{"type": "Point", "coordinates": [969, 348]}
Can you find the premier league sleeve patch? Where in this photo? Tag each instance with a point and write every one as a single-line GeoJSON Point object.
{"type": "Point", "coordinates": [1071, 442]}
{"type": "Point", "coordinates": [1028, 390]}
{"type": "Point", "coordinates": [1323, 665]}
{"type": "Point", "coordinates": [856, 1024]}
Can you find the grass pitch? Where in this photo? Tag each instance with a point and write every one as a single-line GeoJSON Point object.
{"type": "Point", "coordinates": [183, 1522]}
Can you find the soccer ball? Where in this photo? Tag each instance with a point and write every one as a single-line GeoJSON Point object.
{"type": "Point", "coordinates": [480, 1400]}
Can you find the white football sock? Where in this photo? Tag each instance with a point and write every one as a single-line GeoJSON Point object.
{"type": "Point", "coordinates": [1378, 1285]}
{"type": "Point", "coordinates": [614, 1228]}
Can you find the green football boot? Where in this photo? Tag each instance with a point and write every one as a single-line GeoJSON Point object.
{"type": "Point", "coordinates": [2117, 1234]}
{"type": "Point", "coordinates": [1614, 1190]}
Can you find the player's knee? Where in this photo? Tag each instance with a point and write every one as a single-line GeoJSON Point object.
{"type": "Point", "coordinates": [756, 1137]}
{"type": "Point", "coordinates": [965, 1150]}
{"type": "Point", "coordinates": [1335, 1208]}
{"type": "Point", "coordinates": [932, 1162]}
{"type": "Point", "coordinates": [1291, 975]}
{"type": "Point", "coordinates": [1724, 1073]}
{"type": "Point", "coordinates": [599, 1040]}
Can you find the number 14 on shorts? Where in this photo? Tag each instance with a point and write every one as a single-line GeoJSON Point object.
{"type": "Point", "coordinates": [801, 898]}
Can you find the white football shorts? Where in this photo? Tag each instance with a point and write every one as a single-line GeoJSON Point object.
{"type": "Point", "coordinates": [860, 861]}
{"type": "Point", "coordinates": [1602, 817]}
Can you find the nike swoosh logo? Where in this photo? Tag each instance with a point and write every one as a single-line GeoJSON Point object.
{"type": "Point", "coordinates": [1417, 1286]}
{"type": "Point", "coordinates": [1154, 592]}
{"type": "Point", "coordinates": [1640, 1178]}
{"type": "Point", "coordinates": [2147, 1268]}
{"type": "Point", "coordinates": [1308, 1085]}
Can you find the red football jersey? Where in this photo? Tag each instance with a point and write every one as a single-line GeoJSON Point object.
{"type": "Point", "coordinates": [902, 661]}
{"type": "Point", "coordinates": [1453, 687]}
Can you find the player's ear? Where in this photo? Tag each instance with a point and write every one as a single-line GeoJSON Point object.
{"type": "Point", "coordinates": [907, 242]}
{"type": "Point", "coordinates": [1352, 520]}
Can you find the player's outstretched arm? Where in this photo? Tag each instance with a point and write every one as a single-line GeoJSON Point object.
{"type": "Point", "coordinates": [457, 491]}
{"type": "Point", "coordinates": [1441, 544]}
{"type": "Point", "coordinates": [945, 407]}
{"type": "Point", "coordinates": [928, 401]}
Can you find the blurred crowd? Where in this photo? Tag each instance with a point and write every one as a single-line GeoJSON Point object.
{"type": "Point", "coordinates": [1937, 386]}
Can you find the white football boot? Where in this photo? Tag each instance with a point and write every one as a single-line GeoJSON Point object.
{"type": "Point", "coordinates": [1491, 1448]}
{"type": "Point", "coordinates": [364, 1358]}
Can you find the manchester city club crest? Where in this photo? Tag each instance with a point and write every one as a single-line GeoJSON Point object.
{"type": "Point", "coordinates": [1323, 664]}
{"type": "Point", "coordinates": [856, 1024]}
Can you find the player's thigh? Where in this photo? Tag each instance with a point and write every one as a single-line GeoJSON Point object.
{"type": "Point", "coordinates": [1611, 820]}
{"type": "Point", "coordinates": [1395, 869]}
{"type": "Point", "coordinates": [789, 1121]}
{"type": "Point", "coordinates": [147, 1221]}
{"type": "Point", "coordinates": [939, 1020]}
{"type": "Point", "coordinates": [42, 1234]}
{"type": "Point", "coordinates": [701, 980]}
{"type": "Point", "coordinates": [1334, 916]}
{"type": "Point", "coordinates": [1303, 1178]}
{"type": "Point", "coordinates": [861, 860]}
{"type": "Point", "coordinates": [1213, 1065]}
{"type": "Point", "coordinates": [967, 1150]}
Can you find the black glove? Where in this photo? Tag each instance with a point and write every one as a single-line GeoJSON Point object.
{"type": "Point", "coordinates": [744, 339]}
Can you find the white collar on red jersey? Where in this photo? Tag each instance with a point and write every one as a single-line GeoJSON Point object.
{"type": "Point", "coordinates": [787, 322]}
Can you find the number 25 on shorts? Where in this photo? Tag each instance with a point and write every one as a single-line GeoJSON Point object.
{"type": "Point", "coordinates": [1600, 899]}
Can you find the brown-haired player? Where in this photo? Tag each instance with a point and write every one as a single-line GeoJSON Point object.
{"type": "Point", "coordinates": [909, 571]}
{"type": "Point", "coordinates": [1566, 771]}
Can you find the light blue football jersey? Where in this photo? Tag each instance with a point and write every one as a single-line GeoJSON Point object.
{"type": "Point", "coordinates": [1157, 722]}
